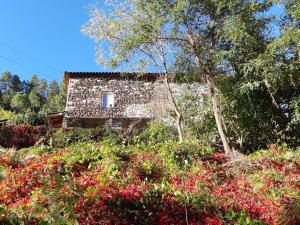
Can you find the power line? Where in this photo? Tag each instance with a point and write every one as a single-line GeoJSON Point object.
{"type": "Point", "coordinates": [31, 57]}
{"type": "Point", "coordinates": [24, 66]}
{"type": "Point", "coordinates": [13, 61]}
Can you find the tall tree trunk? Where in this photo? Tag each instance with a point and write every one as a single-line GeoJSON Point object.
{"type": "Point", "coordinates": [217, 114]}
{"type": "Point", "coordinates": [176, 109]}
{"type": "Point", "coordinates": [171, 97]}
{"type": "Point", "coordinates": [212, 92]}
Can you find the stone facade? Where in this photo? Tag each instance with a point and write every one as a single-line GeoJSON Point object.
{"type": "Point", "coordinates": [130, 96]}
{"type": "Point", "coordinates": [134, 99]}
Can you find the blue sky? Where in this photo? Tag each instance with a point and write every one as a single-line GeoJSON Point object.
{"type": "Point", "coordinates": [48, 31]}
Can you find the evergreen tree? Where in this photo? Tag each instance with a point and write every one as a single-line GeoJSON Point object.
{"type": "Point", "coordinates": [56, 98]}
{"type": "Point", "coordinates": [26, 86]}
{"type": "Point", "coordinates": [6, 76]}
{"type": "Point", "coordinates": [6, 100]}
{"type": "Point", "coordinates": [16, 84]}
{"type": "Point", "coordinates": [35, 100]}
{"type": "Point", "coordinates": [34, 95]}
{"type": "Point", "coordinates": [42, 89]}
{"type": "Point", "coordinates": [34, 82]}
{"type": "Point", "coordinates": [20, 102]}
{"type": "Point", "coordinates": [53, 88]}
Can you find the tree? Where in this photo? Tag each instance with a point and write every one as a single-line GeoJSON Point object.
{"type": "Point", "coordinates": [35, 100]}
{"type": "Point", "coordinates": [56, 98]}
{"type": "Point", "coordinates": [6, 76]}
{"type": "Point", "coordinates": [261, 99]}
{"type": "Point", "coordinates": [145, 42]}
{"type": "Point", "coordinates": [34, 82]}
{"type": "Point", "coordinates": [6, 100]}
{"type": "Point", "coordinates": [53, 88]}
{"type": "Point", "coordinates": [42, 89]}
{"type": "Point", "coordinates": [20, 102]}
{"type": "Point", "coordinates": [16, 84]}
{"type": "Point", "coordinates": [31, 96]}
{"type": "Point", "coordinates": [208, 35]}
{"type": "Point", "coordinates": [26, 86]}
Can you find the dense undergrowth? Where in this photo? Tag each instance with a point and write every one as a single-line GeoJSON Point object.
{"type": "Point", "coordinates": [155, 183]}
{"type": "Point", "coordinates": [21, 136]}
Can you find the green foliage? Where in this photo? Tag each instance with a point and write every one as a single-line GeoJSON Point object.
{"type": "Point", "coordinates": [260, 102]}
{"type": "Point", "coordinates": [157, 132]}
{"type": "Point", "coordinates": [53, 88]}
{"type": "Point", "coordinates": [255, 71]}
{"type": "Point", "coordinates": [295, 105]}
{"type": "Point", "coordinates": [83, 153]}
{"type": "Point", "coordinates": [6, 76]}
{"type": "Point", "coordinates": [56, 98]}
{"type": "Point", "coordinates": [33, 94]}
{"type": "Point", "coordinates": [182, 155]}
{"type": "Point", "coordinates": [5, 114]}
{"type": "Point", "coordinates": [20, 102]}
{"type": "Point", "coordinates": [198, 118]}
{"type": "Point", "coordinates": [16, 84]}
{"type": "Point", "coordinates": [29, 117]}
{"type": "Point", "coordinates": [86, 182]}
{"type": "Point", "coordinates": [6, 100]}
{"type": "Point", "coordinates": [35, 100]}
{"type": "Point", "coordinates": [64, 138]}
{"type": "Point", "coordinates": [34, 82]}
{"type": "Point", "coordinates": [241, 218]}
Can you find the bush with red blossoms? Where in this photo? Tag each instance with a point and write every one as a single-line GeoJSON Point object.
{"type": "Point", "coordinates": [20, 136]}
{"type": "Point", "coordinates": [112, 184]}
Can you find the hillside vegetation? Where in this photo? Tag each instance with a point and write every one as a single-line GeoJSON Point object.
{"type": "Point", "coordinates": [28, 101]}
{"type": "Point", "coordinates": [233, 159]}
{"type": "Point", "coordinates": [146, 181]}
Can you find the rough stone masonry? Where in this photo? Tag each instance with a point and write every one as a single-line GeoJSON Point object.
{"type": "Point", "coordinates": [135, 98]}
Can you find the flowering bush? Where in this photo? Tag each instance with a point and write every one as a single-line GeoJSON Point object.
{"type": "Point", "coordinates": [20, 136]}
{"type": "Point", "coordinates": [113, 184]}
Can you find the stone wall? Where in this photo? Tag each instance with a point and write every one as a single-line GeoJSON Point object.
{"type": "Point", "coordinates": [133, 99]}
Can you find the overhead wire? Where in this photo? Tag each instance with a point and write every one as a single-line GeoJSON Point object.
{"type": "Point", "coordinates": [30, 57]}
{"type": "Point", "coordinates": [25, 67]}
{"type": "Point", "coordinates": [13, 61]}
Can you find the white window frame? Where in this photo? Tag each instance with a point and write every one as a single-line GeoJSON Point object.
{"type": "Point", "coordinates": [112, 94]}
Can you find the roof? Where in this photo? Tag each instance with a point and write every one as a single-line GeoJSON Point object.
{"type": "Point", "coordinates": [55, 114]}
{"type": "Point", "coordinates": [111, 75]}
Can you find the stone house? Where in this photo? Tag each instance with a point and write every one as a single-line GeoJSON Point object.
{"type": "Point", "coordinates": [117, 99]}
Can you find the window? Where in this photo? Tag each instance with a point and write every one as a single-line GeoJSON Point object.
{"type": "Point", "coordinates": [107, 99]}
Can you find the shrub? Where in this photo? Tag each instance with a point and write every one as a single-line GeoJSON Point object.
{"type": "Point", "coordinates": [4, 115]}
{"type": "Point", "coordinates": [20, 136]}
{"type": "Point", "coordinates": [165, 183]}
{"type": "Point", "coordinates": [182, 154]}
{"type": "Point", "coordinates": [29, 118]}
{"type": "Point", "coordinates": [157, 132]}
{"type": "Point", "coordinates": [63, 138]}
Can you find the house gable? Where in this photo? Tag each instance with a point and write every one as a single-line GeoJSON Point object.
{"type": "Point", "coordinates": [131, 96]}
